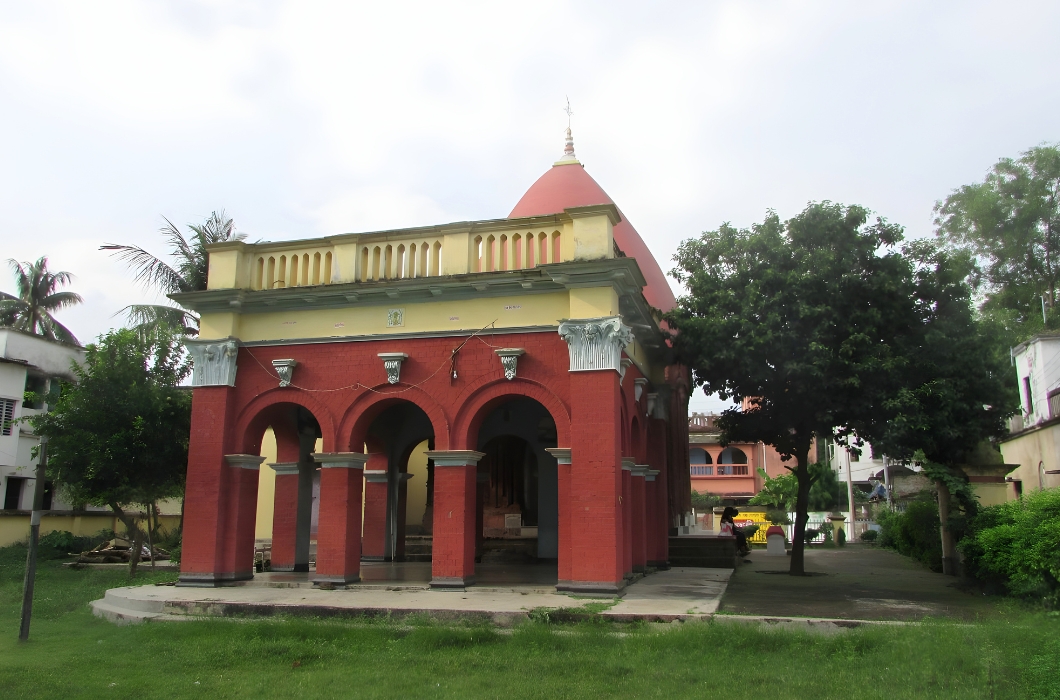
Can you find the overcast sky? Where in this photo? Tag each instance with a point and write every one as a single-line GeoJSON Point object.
{"type": "Point", "coordinates": [306, 119]}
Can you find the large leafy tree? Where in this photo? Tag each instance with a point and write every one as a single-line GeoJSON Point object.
{"type": "Point", "coordinates": [797, 317]}
{"type": "Point", "coordinates": [39, 297]}
{"type": "Point", "coordinates": [1010, 222]}
{"type": "Point", "coordinates": [187, 273]}
{"type": "Point", "coordinates": [956, 394]}
{"type": "Point", "coordinates": [119, 435]}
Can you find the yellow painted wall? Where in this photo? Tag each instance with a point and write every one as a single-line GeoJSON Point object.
{"type": "Point", "coordinates": [416, 496]}
{"type": "Point", "coordinates": [266, 487]}
{"type": "Point", "coordinates": [1028, 450]}
{"type": "Point", "coordinates": [434, 316]}
{"type": "Point", "coordinates": [15, 528]}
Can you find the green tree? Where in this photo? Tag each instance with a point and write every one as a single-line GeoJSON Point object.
{"type": "Point", "coordinates": [795, 317]}
{"type": "Point", "coordinates": [778, 493]}
{"type": "Point", "coordinates": [39, 297]}
{"type": "Point", "coordinates": [1010, 222]}
{"type": "Point", "coordinates": [118, 436]}
{"type": "Point", "coordinates": [188, 273]}
{"type": "Point", "coordinates": [956, 394]}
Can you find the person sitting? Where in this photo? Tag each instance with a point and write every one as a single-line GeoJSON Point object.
{"type": "Point", "coordinates": [728, 527]}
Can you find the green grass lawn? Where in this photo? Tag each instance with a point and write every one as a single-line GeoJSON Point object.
{"type": "Point", "coordinates": [72, 654]}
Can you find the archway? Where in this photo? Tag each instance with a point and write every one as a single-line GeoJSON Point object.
{"type": "Point", "coordinates": [518, 513]}
{"type": "Point", "coordinates": [286, 434]}
{"type": "Point", "coordinates": [397, 430]}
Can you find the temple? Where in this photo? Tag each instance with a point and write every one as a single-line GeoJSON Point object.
{"type": "Point", "coordinates": [526, 352]}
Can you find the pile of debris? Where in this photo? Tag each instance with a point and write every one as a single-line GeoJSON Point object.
{"type": "Point", "coordinates": [118, 551]}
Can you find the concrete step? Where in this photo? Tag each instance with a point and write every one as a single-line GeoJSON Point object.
{"type": "Point", "coordinates": [117, 613]}
{"type": "Point", "coordinates": [119, 597]}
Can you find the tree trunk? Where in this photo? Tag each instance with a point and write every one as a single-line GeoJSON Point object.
{"type": "Point", "coordinates": [134, 553]}
{"type": "Point", "coordinates": [949, 550]}
{"type": "Point", "coordinates": [802, 503]}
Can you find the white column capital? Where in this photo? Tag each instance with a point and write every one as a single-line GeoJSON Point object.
{"type": "Point", "coordinates": [562, 454]}
{"type": "Point", "coordinates": [284, 468]}
{"type": "Point", "coordinates": [454, 458]}
{"type": "Point", "coordinates": [595, 343]}
{"type": "Point", "coordinates": [340, 460]}
{"type": "Point", "coordinates": [213, 361]}
{"type": "Point", "coordinates": [245, 461]}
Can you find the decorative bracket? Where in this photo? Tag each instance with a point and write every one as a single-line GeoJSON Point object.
{"type": "Point", "coordinates": [392, 362]}
{"type": "Point", "coordinates": [595, 343]}
{"type": "Point", "coordinates": [622, 367]}
{"type": "Point", "coordinates": [284, 368]}
{"type": "Point", "coordinates": [213, 361]}
{"type": "Point", "coordinates": [375, 476]}
{"type": "Point", "coordinates": [509, 360]}
{"type": "Point", "coordinates": [652, 473]}
{"type": "Point", "coordinates": [638, 388]}
{"type": "Point", "coordinates": [629, 464]}
{"type": "Point", "coordinates": [285, 468]}
{"type": "Point", "coordinates": [454, 458]}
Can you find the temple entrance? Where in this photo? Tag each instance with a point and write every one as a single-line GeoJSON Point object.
{"type": "Point", "coordinates": [518, 514]}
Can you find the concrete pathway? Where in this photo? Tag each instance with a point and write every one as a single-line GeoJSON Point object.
{"type": "Point", "coordinates": [665, 596]}
{"type": "Point", "coordinates": [856, 582]}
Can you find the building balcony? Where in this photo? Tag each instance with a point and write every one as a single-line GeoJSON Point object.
{"type": "Point", "coordinates": [701, 470]}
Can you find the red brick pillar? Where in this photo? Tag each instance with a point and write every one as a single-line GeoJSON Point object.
{"type": "Point", "coordinates": [242, 514]}
{"type": "Point", "coordinates": [373, 546]}
{"type": "Point", "coordinates": [202, 560]}
{"type": "Point", "coordinates": [654, 520]}
{"type": "Point", "coordinates": [455, 498]}
{"type": "Point", "coordinates": [640, 521]}
{"type": "Point", "coordinates": [400, 517]}
{"type": "Point", "coordinates": [657, 436]}
{"type": "Point", "coordinates": [595, 502]}
{"type": "Point", "coordinates": [339, 523]}
{"type": "Point", "coordinates": [563, 504]}
{"type": "Point", "coordinates": [284, 516]}
{"type": "Point", "coordinates": [482, 485]}
{"type": "Point", "coordinates": [627, 517]}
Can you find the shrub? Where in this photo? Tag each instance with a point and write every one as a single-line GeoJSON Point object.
{"type": "Point", "coordinates": [778, 517]}
{"type": "Point", "coordinates": [869, 536]}
{"type": "Point", "coordinates": [840, 537]}
{"type": "Point", "coordinates": [704, 501]}
{"type": "Point", "coordinates": [810, 534]}
{"type": "Point", "coordinates": [1015, 545]}
{"type": "Point", "coordinates": [57, 544]}
{"type": "Point", "coordinates": [914, 533]}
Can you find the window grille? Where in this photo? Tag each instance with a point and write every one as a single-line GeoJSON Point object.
{"type": "Point", "coordinates": [1054, 403]}
{"type": "Point", "coordinates": [7, 416]}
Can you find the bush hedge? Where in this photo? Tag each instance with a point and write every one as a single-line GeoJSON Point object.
{"type": "Point", "coordinates": [915, 532]}
{"type": "Point", "coordinates": [1016, 546]}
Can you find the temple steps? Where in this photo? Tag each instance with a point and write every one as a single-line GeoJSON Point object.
{"type": "Point", "coordinates": [703, 551]}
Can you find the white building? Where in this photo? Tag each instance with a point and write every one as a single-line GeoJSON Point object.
{"type": "Point", "coordinates": [28, 363]}
{"type": "Point", "coordinates": [1034, 442]}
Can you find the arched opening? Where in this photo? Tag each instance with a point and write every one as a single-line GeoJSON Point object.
{"type": "Point", "coordinates": [518, 518]}
{"type": "Point", "coordinates": [398, 493]}
{"type": "Point", "coordinates": [700, 462]}
{"type": "Point", "coordinates": [286, 435]}
{"type": "Point", "coordinates": [732, 462]}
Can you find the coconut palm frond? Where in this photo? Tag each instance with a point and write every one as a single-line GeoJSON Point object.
{"type": "Point", "coordinates": [148, 319]}
{"type": "Point", "coordinates": [38, 295]}
{"type": "Point", "coordinates": [54, 330]}
{"type": "Point", "coordinates": [150, 271]}
{"type": "Point", "coordinates": [61, 300]}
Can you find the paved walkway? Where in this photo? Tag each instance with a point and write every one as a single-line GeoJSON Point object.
{"type": "Point", "coordinates": [852, 582]}
{"type": "Point", "coordinates": [677, 594]}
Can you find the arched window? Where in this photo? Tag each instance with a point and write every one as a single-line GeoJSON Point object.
{"type": "Point", "coordinates": [732, 455]}
{"type": "Point", "coordinates": [699, 459]}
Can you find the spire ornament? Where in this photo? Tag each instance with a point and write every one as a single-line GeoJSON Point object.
{"type": "Point", "coordinates": [568, 148]}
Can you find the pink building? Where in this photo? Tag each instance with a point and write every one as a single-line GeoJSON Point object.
{"type": "Point", "coordinates": [730, 471]}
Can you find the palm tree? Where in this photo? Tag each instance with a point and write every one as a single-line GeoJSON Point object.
{"type": "Point", "coordinates": [38, 298]}
{"type": "Point", "coordinates": [188, 274]}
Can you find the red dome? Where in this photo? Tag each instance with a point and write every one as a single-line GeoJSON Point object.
{"type": "Point", "coordinates": [568, 185]}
